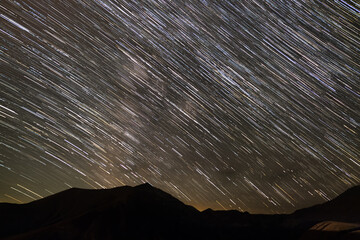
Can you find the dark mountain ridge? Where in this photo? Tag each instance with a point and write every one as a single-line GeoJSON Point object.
{"type": "Point", "coordinates": [346, 203]}
{"type": "Point", "coordinates": [120, 204]}
{"type": "Point", "coordinates": [343, 208]}
{"type": "Point", "coordinates": [145, 212]}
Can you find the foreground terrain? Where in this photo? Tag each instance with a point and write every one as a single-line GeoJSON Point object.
{"type": "Point", "coordinates": [145, 212]}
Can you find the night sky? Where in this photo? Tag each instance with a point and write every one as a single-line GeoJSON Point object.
{"type": "Point", "coordinates": [247, 105]}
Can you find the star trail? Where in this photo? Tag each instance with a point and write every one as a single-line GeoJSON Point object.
{"type": "Point", "coordinates": [247, 105]}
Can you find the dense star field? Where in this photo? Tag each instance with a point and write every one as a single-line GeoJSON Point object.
{"type": "Point", "coordinates": [248, 105]}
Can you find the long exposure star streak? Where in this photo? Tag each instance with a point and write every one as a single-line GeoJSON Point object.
{"type": "Point", "coordinates": [247, 105]}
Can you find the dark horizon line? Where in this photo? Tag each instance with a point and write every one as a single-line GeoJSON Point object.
{"type": "Point", "coordinates": [197, 208]}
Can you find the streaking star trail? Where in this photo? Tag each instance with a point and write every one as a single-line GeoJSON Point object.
{"type": "Point", "coordinates": [247, 105]}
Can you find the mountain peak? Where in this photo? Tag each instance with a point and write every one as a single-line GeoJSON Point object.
{"type": "Point", "coordinates": [145, 185]}
{"type": "Point", "coordinates": [147, 212]}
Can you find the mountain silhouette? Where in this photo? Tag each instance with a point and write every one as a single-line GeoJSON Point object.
{"type": "Point", "coordinates": [146, 212]}
{"type": "Point", "coordinates": [344, 208]}
{"type": "Point", "coordinates": [88, 214]}
{"type": "Point", "coordinates": [341, 210]}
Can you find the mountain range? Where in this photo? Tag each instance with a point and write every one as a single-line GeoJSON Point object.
{"type": "Point", "coordinates": [146, 212]}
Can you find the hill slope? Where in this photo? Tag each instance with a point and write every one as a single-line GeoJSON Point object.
{"type": "Point", "coordinates": [116, 211]}
{"type": "Point", "coordinates": [344, 208]}
{"type": "Point", "coordinates": [145, 212]}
